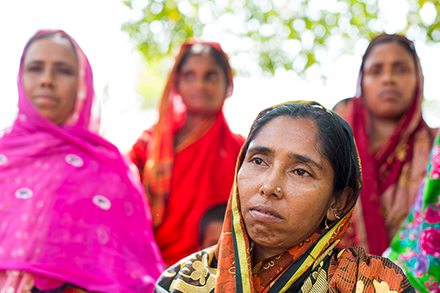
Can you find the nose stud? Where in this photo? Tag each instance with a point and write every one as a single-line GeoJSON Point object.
{"type": "Point", "coordinates": [278, 190]}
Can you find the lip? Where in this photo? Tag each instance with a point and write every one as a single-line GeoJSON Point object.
{"type": "Point", "coordinates": [389, 94]}
{"type": "Point", "coordinates": [265, 213]}
{"type": "Point", "coordinates": [44, 100]}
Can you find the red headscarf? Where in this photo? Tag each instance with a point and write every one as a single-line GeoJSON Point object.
{"type": "Point", "coordinates": [393, 172]}
{"type": "Point", "coordinates": [184, 180]}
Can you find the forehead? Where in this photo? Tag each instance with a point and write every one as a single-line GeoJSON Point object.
{"type": "Point", "coordinates": [200, 62]}
{"type": "Point", "coordinates": [390, 52]}
{"type": "Point", "coordinates": [289, 135]}
{"type": "Point", "coordinates": [51, 49]}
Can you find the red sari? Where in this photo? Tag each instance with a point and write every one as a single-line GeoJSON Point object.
{"type": "Point", "coordinates": [183, 181]}
{"type": "Point", "coordinates": [391, 174]}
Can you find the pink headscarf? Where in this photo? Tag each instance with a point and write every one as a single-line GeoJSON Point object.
{"type": "Point", "coordinates": [70, 209]}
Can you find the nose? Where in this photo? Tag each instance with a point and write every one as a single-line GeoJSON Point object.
{"type": "Point", "coordinates": [389, 77]}
{"type": "Point", "coordinates": [47, 79]}
{"type": "Point", "coordinates": [273, 184]}
{"type": "Point", "coordinates": [199, 83]}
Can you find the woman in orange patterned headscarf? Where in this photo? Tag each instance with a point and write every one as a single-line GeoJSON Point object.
{"type": "Point", "coordinates": [187, 159]}
{"type": "Point", "coordinates": [393, 140]}
{"type": "Point", "coordinates": [298, 178]}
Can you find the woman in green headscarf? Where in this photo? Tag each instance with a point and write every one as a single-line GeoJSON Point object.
{"type": "Point", "coordinates": [298, 178]}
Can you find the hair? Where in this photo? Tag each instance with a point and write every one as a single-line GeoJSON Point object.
{"type": "Point", "coordinates": [335, 141]}
{"type": "Point", "coordinates": [203, 49]}
{"type": "Point", "coordinates": [383, 39]}
{"type": "Point", "coordinates": [49, 35]}
{"type": "Point", "coordinates": [214, 214]}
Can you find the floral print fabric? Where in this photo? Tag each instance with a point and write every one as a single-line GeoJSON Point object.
{"type": "Point", "coordinates": [417, 245]}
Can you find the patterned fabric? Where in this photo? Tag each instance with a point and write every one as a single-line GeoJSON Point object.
{"type": "Point", "coordinates": [312, 266]}
{"type": "Point", "coordinates": [392, 173]}
{"type": "Point", "coordinates": [416, 247]}
{"type": "Point", "coordinates": [183, 181]}
{"type": "Point", "coordinates": [71, 211]}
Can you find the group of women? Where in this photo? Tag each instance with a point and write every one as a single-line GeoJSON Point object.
{"type": "Point", "coordinates": [74, 218]}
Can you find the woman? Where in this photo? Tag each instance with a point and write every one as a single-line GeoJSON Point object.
{"type": "Point", "coordinates": [416, 247]}
{"type": "Point", "coordinates": [392, 137]}
{"type": "Point", "coordinates": [297, 181]}
{"type": "Point", "coordinates": [187, 159]}
{"type": "Point", "coordinates": [72, 217]}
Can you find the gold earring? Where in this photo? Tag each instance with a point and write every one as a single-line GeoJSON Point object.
{"type": "Point", "coordinates": [326, 225]}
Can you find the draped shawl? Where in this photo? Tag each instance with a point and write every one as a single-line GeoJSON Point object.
{"type": "Point", "coordinates": [71, 211]}
{"type": "Point", "coordinates": [311, 266]}
{"type": "Point", "coordinates": [392, 173]}
{"type": "Point", "coordinates": [182, 181]}
{"type": "Point", "coordinates": [416, 247]}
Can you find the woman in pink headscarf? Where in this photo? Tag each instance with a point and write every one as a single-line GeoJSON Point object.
{"type": "Point", "coordinates": [72, 217]}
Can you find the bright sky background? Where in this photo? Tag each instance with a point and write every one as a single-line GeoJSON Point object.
{"type": "Point", "coordinates": [95, 25]}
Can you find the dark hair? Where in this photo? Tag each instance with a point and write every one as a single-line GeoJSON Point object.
{"type": "Point", "coordinates": [384, 38]}
{"type": "Point", "coordinates": [335, 141]}
{"type": "Point", "coordinates": [51, 34]}
{"type": "Point", "coordinates": [203, 49]}
{"type": "Point", "coordinates": [214, 214]}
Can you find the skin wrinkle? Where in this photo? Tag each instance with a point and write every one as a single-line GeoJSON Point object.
{"type": "Point", "coordinates": [275, 159]}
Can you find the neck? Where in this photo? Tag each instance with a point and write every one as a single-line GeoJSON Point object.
{"type": "Point", "coordinates": [260, 253]}
{"type": "Point", "coordinates": [191, 122]}
{"type": "Point", "coordinates": [381, 130]}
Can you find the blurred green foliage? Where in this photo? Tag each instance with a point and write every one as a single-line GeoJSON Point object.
{"type": "Point", "coordinates": [261, 36]}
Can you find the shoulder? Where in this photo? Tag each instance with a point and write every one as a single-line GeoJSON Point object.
{"type": "Point", "coordinates": [195, 273]}
{"type": "Point", "coordinates": [341, 108]}
{"type": "Point", "coordinates": [353, 268]}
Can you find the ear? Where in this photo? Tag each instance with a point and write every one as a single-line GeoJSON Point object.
{"type": "Point", "coordinates": [338, 203]}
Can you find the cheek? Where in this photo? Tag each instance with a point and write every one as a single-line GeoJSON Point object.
{"type": "Point", "coordinates": [246, 185]}
{"type": "Point", "coordinates": [28, 84]}
{"type": "Point", "coordinates": [369, 89]}
{"type": "Point", "coordinates": [410, 88]}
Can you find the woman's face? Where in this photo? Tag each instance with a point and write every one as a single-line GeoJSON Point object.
{"type": "Point", "coordinates": [285, 154]}
{"type": "Point", "coordinates": [202, 85]}
{"type": "Point", "coordinates": [389, 81]}
{"type": "Point", "coordinates": [50, 77]}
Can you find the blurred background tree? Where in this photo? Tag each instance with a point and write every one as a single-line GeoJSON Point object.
{"type": "Point", "coordinates": [264, 35]}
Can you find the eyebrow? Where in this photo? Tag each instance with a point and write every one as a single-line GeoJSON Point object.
{"type": "Point", "coordinates": [304, 159]}
{"type": "Point", "coordinates": [261, 149]}
{"type": "Point", "coordinates": [58, 63]}
{"type": "Point", "coordinates": [397, 62]}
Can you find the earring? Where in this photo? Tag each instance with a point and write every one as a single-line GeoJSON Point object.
{"type": "Point", "coordinates": [326, 225]}
{"type": "Point", "coordinates": [337, 217]}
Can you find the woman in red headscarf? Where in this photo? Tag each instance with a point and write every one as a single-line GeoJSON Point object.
{"type": "Point", "coordinates": [393, 139]}
{"type": "Point", "coordinates": [187, 160]}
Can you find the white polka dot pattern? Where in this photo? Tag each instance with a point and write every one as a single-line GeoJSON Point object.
{"type": "Point", "coordinates": [74, 160]}
{"type": "Point", "coordinates": [24, 193]}
{"type": "Point", "coordinates": [102, 202]}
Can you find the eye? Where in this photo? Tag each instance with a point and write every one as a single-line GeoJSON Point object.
{"type": "Point", "coordinates": [212, 76]}
{"type": "Point", "coordinates": [65, 70]}
{"type": "Point", "coordinates": [189, 76]}
{"type": "Point", "coordinates": [34, 68]}
{"type": "Point", "coordinates": [402, 69]}
{"type": "Point", "coordinates": [257, 161]}
{"type": "Point", "coordinates": [301, 172]}
{"type": "Point", "coordinates": [374, 71]}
